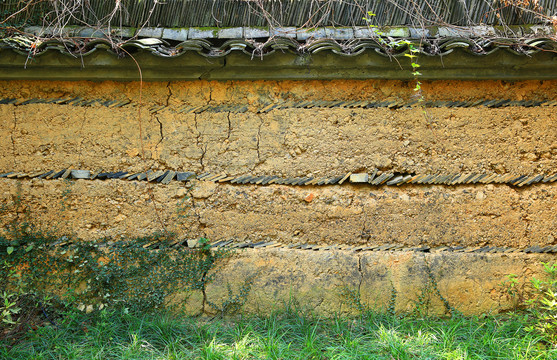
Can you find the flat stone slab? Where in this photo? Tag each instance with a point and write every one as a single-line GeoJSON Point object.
{"type": "Point", "coordinates": [81, 174]}
{"type": "Point", "coordinates": [359, 178]}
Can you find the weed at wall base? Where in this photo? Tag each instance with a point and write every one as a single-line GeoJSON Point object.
{"type": "Point", "coordinates": [422, 305]}
{"type": "Point", "coordinates": [138, 273]}
{"type": "Point", "coordinates": [135, 276]}
{"type": "Point", "coordinates": [543, 306]}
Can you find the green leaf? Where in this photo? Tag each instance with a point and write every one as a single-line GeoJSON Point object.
{"type": "Point", "coordinates": [29, 248]}
{"type": "Point", "coordinates": [410, 56]}
{"type": "Point", "coordinates": [10, 250]}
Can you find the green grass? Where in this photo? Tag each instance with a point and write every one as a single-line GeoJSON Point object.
{"type": "Point", "coordinates": [288, 334]}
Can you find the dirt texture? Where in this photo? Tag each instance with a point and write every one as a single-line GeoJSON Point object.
{"type": "Point", "coordinates": [288, 143]}
{"type": "Point", "coordinates": [315, 280]}
{"type": "Point", "coordinates": [495, 215]}
{"type": "Point", "coordinates": [291, 143]}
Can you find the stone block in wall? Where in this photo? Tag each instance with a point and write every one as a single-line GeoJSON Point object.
{"type": "Point", "coordinates": [175, 34]}
{"type": "Point", "coordinates": [149, 32]}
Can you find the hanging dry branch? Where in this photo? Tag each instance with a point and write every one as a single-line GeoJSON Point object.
{"type": "Point", "coordinates": [300, 13]}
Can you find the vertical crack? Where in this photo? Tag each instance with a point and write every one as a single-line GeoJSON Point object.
{"type": "Point", "coordinates": [229, 126]}
{"type": "Point", "coordinates": [229, 132]}
{"type": "Point", "coordinates": [197, 219]}
{"type": "Point", "coordinates": [524, 214]}
{"type": "Point", "coordinates": [12, 136]}
{"type": "Point", "coordinates": [193, 206]}
{"type": "Point", "coordinates": [201, 159]}
{"type": "Point", "coordinates": [199, 144]}
{"type": "Point", "coordinates": [259, 141]}
{"type": "Point", "coordinates": [361, 275]}
{"type": "Point", "coordinates": [160, 130]}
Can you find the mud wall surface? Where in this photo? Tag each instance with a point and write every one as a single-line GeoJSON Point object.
{"type": "Point", "coordinates": [151, 132]}
{"type": "Point", "coordinates": [292, 142]}
{"type": "Point", "coordinates": [492, 215]}
{"type": "Point", "coordinates": [254, 93]}
{"type": "Point", "coordinates": [291, 129]}
{"type": "Point", "coordinates": [317, 280]}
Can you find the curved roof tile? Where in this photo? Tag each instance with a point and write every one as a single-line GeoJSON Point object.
{"type": "Point", "coordinates": [218, 49]}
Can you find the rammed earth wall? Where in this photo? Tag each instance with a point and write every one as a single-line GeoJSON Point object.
{"type": "Point", "coordinates": [240, 132]}
{"type": "Point", "coordinates": [348, 214]}
{"type": "Point", "coordinates": [305, 130]}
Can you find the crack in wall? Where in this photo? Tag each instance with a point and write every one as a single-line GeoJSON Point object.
{"type": "Point", "coordinates": [160, 130]}
{"type": "Point", "coordinates": [202, 158]}
{"type": "Point", "coordinates": [361, 275]}
{"type": "Point", "coordinates": [229, 126]}
{"type": "Point", "coordinates": [228, 132]}
{"type": "Point", "coordinates": [196, 215]}
{"type": "Point", "coordinates": [197, 220]}
{"type": "Point", "coordinates": [199, 144]}
{"type": "Point", "coordinates": [259, 141]}
{"type": "Point", "coordinates": [524, 215]}
{"type": "Point", "coordinates": [319, 303]}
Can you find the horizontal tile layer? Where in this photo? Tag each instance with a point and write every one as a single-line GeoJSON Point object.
{"type": "Point", "coordinates": [373, 179]}
{"type": "Point", "coordinates": [308, 104]}
{"type": "Point", "coordinates": [231, 244]}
